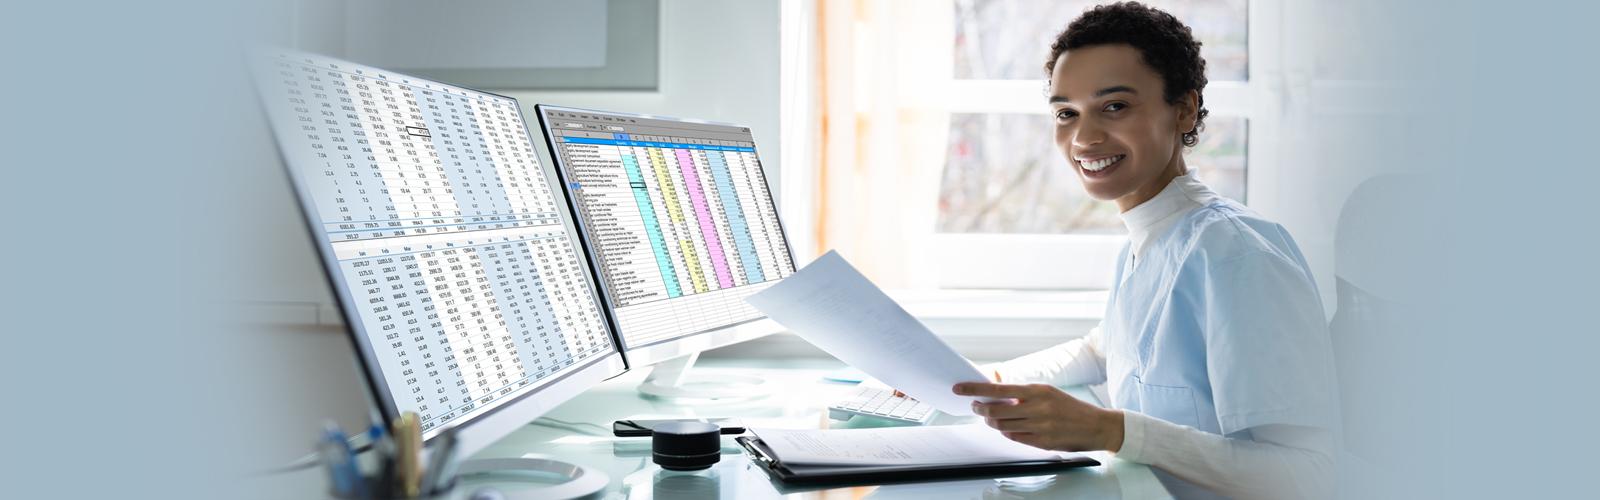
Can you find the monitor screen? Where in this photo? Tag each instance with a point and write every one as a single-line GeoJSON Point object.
{"type": "Point", "coordinates": [454, 260]}
{"type": "Point", "coordinates": [677, 216]}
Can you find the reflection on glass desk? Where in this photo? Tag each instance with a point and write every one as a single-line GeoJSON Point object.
{"type": "Point", "coordinates": [580, 432]}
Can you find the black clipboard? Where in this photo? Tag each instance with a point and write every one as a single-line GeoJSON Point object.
{"type": "Point", "coordinates": [763, 456]}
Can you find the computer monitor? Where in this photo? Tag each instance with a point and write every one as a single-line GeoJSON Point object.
{"type": "Point", "coordinates": [455, 264]}
{"type": "Point", "coordinates": [681, 227]}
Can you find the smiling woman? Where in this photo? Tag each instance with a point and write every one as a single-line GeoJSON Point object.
{"type": "Point", "coordinates": [1109, 105]}
{"type": "Point", "coordinates": [1213, 347]}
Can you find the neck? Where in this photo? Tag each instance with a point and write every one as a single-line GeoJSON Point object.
{"type": "Point", "coordinates": [1154, 187]}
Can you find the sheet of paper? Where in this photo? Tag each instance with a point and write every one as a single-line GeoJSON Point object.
{"type": "Point", "coordinates": [835, 308]}
{"type": "Point", "coordinates": [923, 445]}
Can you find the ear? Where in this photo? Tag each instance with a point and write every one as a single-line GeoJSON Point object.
{"type": "Point", "coordinates": [1188, 111]}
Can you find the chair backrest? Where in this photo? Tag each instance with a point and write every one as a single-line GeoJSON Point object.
{"type": "Point", "coordinates": [1372, 248]}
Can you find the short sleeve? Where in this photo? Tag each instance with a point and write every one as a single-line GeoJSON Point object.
{"type": "Point", "coordinates": [1268, 354]}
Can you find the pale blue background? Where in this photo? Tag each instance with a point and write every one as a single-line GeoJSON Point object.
{"type": "Point", "coordinates": [133, 169]}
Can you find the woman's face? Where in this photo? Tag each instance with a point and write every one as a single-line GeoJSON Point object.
{"type": "Point", "coordinates": [1113, 125]}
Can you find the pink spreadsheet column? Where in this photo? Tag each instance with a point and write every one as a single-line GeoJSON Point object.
{"type": "Point", "coordinates": [697, 197]}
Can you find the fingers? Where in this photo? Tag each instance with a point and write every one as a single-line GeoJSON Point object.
{"type": "Point", "coordinates": [1002, 410]}
{"type": "Point", "coordinates": [1027, 438]}
{"type": "Point", "coordinates": [1022, 431]}
{"type": "Point", "coordinates": [1012, 424]}
{"type": "Point", "coordinates": [981, 389]}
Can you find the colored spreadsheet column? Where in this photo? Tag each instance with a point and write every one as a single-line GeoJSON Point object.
{"type": "Point", "coordinates": [697, 196]}
{"type": "Point", "coordinates": [669, 214]}
{"type": "Point", "coordinates": [641, 196]}
{"type": "Point", "coordinates": [691, 259]}
{"type": "Point", "coordinates": [737, 224]}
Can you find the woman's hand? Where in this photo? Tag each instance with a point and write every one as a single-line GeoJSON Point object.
{"type": "Point", "coordinates": [1042, 416]}
{"type": "Point", "coordinates": [994, 376]}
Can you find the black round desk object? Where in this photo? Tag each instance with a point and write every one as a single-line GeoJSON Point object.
{"type": "Point", "coordinates": [686, 445]}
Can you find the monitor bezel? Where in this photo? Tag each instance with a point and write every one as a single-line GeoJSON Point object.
{"type": "Point", "coordinates": [661, 350]}
{"type": "Point", "coordinates": [483, 429]}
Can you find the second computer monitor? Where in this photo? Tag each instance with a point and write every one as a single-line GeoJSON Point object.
{"type": "Point", "coordinates": [679, 222]}
{"type": "Point", "coordinates": [459, 274]}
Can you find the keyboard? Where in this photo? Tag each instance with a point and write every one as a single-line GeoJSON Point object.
{"type": "Point", "coordinates": [882, 403]}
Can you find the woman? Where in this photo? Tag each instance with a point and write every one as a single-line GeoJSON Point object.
{"type": "Point", "coordinates": [1214, 347]}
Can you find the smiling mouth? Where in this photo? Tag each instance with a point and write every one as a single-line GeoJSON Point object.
{"type": "Point", "coordinates": [1101, 164]}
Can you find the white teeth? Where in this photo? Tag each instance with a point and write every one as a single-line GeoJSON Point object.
{"type": "Point", "coordinates": [1100, 164]}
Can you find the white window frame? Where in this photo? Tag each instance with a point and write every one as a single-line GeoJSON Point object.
{"type": "Point", "coordinates": [1280, 99]}
{"type": "Point", "coordinates": [798, 110]}
{"type": "Point", "coordinates": [1086, 261]}
{"type": "Point", "coordinates": [1025, 260]}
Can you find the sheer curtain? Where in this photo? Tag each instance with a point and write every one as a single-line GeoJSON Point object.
{"type": "Point", "coordinates": [884, 70]}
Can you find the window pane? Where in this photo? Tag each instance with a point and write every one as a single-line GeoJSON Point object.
{"type": "Point", "coordinates": [1004, 174]}
{"type": "Point", "coordinates": [1010, 39]}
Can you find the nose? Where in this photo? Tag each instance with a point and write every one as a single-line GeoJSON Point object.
{"type": "Point", "coordinates": [1088, 133]}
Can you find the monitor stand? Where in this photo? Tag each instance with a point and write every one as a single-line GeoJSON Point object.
{"type": "Point", "coordinates": [671, 379]}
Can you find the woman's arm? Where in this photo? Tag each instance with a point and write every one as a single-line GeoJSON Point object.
{"type": "Point", "coordinates": [1265, 461]}
{"type": "Point", "coordinates": [1075, 362]}
{"type": "Point", "coordinates": [1278, 461]}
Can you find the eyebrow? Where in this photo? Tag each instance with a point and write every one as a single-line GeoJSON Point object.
{"type": "Point", "coordinates": [1099, 93]}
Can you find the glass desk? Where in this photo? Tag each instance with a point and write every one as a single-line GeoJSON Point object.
{"type": "Point", "coordinates": [580, 432]}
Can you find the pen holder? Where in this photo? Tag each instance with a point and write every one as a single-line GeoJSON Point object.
{"type": "Point", "coordinates": [377, 487]}
{"type": "Point", "coordinates": [380, 478]}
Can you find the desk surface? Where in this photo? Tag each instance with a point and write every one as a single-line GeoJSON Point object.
{"type": "Point", "coordinates": [580, 432]}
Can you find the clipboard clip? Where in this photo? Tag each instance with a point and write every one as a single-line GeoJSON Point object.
{"type": "Point", "coordinates": [754, 447]}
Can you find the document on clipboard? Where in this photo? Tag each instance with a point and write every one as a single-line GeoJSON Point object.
{"type": "Point", "coordinates": [876, 456]}
{"type": "Point", "coordinates": [946, 444]}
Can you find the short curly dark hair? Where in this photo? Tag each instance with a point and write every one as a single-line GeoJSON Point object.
{"type": "Point", "coordinates": [1167, 45]}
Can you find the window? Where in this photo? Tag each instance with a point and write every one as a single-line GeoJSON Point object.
{"type": "Point", "coordinates": [936, 165]}
{"type": "Point", "coordinates": [1003, 173]}
{"type": "Point", "coordinates": [1294, 102]}
{"type": "Point", "coordinates": [1009, 207]}
{"type": "Point", "coordinates": [1007, 39]}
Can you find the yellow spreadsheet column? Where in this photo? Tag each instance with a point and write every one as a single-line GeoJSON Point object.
{"type": "Point", "coordinates": [691, 259]}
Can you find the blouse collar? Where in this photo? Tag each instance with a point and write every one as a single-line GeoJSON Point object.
{"type": "Point", "coordinates": [1156, 215]}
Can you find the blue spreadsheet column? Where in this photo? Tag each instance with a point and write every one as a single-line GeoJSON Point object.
{"type": "Point", "coordinates": [737, 224]}
{"type": "Point", "coordinates": [652, 227]}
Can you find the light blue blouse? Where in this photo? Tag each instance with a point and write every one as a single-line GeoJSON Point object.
{"type": "Point", "coordinates": [1214, 319]}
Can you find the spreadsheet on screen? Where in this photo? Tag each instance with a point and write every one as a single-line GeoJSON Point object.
{"type": "Point", "coordinates": [456, 258]}
{"type": "Point", "coordinates": [678, 215]}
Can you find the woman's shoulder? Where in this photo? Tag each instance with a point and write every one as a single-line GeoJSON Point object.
{"type": "Point", "coordinates": [1224, 230]}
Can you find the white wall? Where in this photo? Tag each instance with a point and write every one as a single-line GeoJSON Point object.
{"type": "Point", "coordinates": [719, 61]}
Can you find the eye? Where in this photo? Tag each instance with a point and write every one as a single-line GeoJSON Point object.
{"type": "Point", "coordinates": [1065, 114]}
{"type": "Point", "coordinates": [1116, 106]}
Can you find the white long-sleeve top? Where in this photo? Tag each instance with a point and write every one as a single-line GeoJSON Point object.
{"type": "Point", "coordinates": [1266, 461]}
{"type": "Point", "coordinates": [1270, 461]}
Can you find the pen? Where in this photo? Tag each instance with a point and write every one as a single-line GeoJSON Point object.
{"type": "Point", "coordinates": [379, 441]}
{"type": "Point", "coordinates": [408, 444]}
{"type": "Point", "coordinates": [441, 464]}
{"type": "Point", "coordinates": [334, 451]}
{"type": "Point", "coordinates": [383, 455]}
